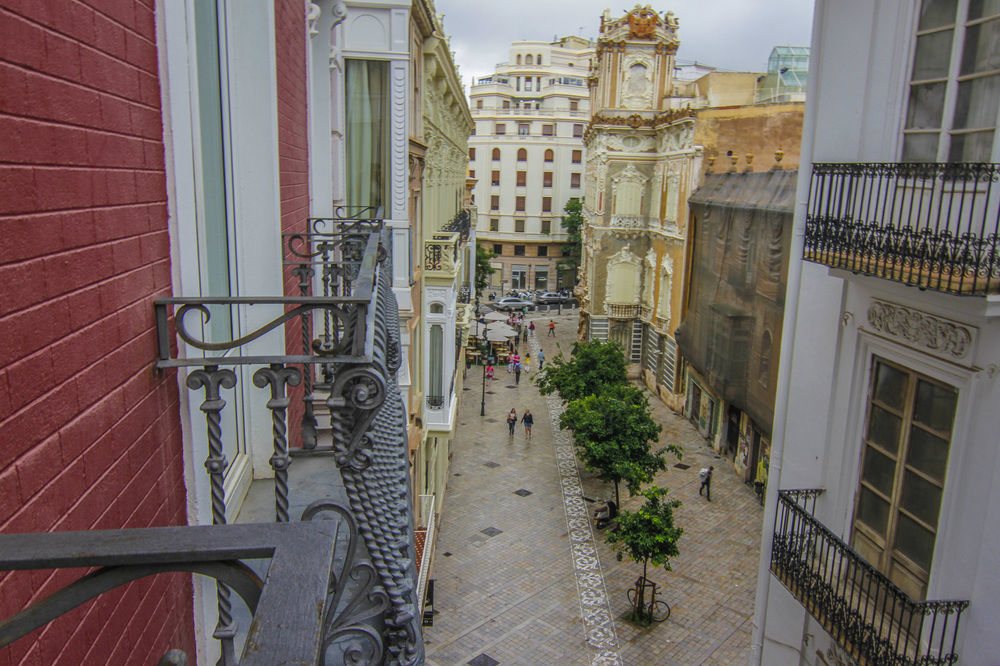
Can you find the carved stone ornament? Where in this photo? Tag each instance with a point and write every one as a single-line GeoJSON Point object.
{"type": "Point", "coordinates": [936, 335]}
{"type": "Point", "coordinates": [642, 22]}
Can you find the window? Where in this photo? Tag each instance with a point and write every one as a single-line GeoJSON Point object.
{"type": "Point", "coordinates": [518, 58]}
{"type": "Point", "coordinates": [500, 128]}
{"type": "Point", "coordinates": [472, 154]}
{"type": "Point", "coordinates": [546, 226]}
{"type": "Point", "coordinates": [519, 226]}
{"type": "Point", "coordinates": [543, 250]}
{"type": "Point", "coordinates": [519, 204]}
{"type": "Point", "coordinates": [367, 131]}
{"type": "Point", "coordinates": [523, 129]}
{"type": "Point", "coordinates": [548, 130]}
{"type": "Point", "coordinates": [577, 156]}
{"type": "Point", "coordinates": [497, 249]}
{"type": "Point", "coordinates": [574, 105]}
{"type": "Point", "coordinates": [574, 180]}
{"type": "Point", "coordinates": [479, 103]}
{"type": "Point", "coordinates": [528, 60]}
{"type": "Point", "coordinates": [527, 84]}
{"type": "Point", "coordinates": [494, 202]}
{"type": "Point", "coordinates": [505, 104]}
{"type": "Point", "coordinates": [518, 250]}
{"type": "Point", "coordinates": [472, 173]}
{"type": "Point", "coordinates": [906, 444]}
{"type": "Point", "coordinates": [577, 130]}
{"type": "Point", "coordinates": [546, 204]}
{"type": "Point", "coordinates": [496, 154]}
{"type": "Point", "coordinates": [547, 179]}
{"type": "Point", "coordinates": [522, 178]}
{"type": "Point", "coordinates": [522, 154]}
{"type": "Point", "coordinates": [495, 177]}
{"type": "Point", "coordinates": [538, 59]}
{"type": "Point", "coordinates": [494, 224]}
{"type": "Point", "coordinates": [969, 90]}
{"type": "Point", "coordinates": [549, 155]}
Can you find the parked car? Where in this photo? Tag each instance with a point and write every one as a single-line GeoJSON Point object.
{"type": "Point", "coordinates": [550, 297]}
{"type": "Point", "coordinates": [512, 303]}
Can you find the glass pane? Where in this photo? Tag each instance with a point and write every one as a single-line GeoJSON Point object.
{"type": "Point", "coordinates": [367, 137]}
{"type": "Point", "coordinates": [930, 60]}
{"type": "Point", "coordinates": [983, 8]}
{"type": "Point", "coordinates": [971, 147]}
{"type": "Point", "coordinates": [878, 470]}
{"type": "Point", "coordinates": [934, 406]}
{"type": "Point", "coordinates": [926, 105]}
{"type": "Point", "coordinates": [920, 147]}
{"type": "Point", "coordinates": [920, 497]}
{"type": "Point", "coordinates": [981, 50]}
{"type": "Point", "coordinates": [890, 385]}
{"type": "Point", "coordinates": [937, 13]}
{"type": "Point", "coordinates": [927, 453]}
{"type": "Point", "coordinates": [915, 542]}
{"type": "Point", "coordinates": [977, 103]}
{"type": "Point", "coordinates": [873, 511]}
{"type": "Point", "coordinates": [884, 428]}
{"type": "Point", "coordinates": [436, 361]}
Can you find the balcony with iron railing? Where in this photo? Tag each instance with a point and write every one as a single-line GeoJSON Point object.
{"type": "Point", "coordinates": [443, 252]}
{"type": "Point", "coordinates": [873, 620]}
{"type": "Point", "coordinates": [928, 225]}
{"type": "Point", "coordinates": [339, 564]}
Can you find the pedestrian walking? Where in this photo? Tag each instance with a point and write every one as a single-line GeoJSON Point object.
{"type": "Point", "coordinates": [527, 363]}
{"type": "Point", "coordinates": [706, 481]}
{"type": "Point", "coordinates": [510, 364]}
{"type": "Point", "coordinates": [512, 421]}
{"type": "Point", "coordinates": [528, 420]}
{"type": "Point", "coordinates": [489, 372]}
{"type": "Point", "coordinates": [541, 359]}
{"type": "Point", "coordinates": [552, 328]}
{"type": "Point", "coordinates": [531, 328]}
{"type": "Point", "coordinates": [517, 373]}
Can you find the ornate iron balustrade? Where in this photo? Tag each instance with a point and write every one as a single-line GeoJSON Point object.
{"type": "Point", "coordinates": [464, 295]}
{"type": "Point", "coordinates": [368, 611]}
{"type": "Point", "coordinates": [435, 401]}
{"type": "Point", "coordinates": [871, 618]}
{"type": "Point", "coordinates": [928, 225]}
{"type": "Point", "coordinates": [441, 253]}
{"type": "Point", "coordinates": [460, 224]}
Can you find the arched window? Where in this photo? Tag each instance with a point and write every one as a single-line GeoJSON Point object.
{"type": "Point", "coordinates": [435, 389]}
{"type": "Point", "coordinates": [437, 308]}
{"type": "Point", "coordinates": [529, 60]}
{"type": "Point", "coordinates": [496, 154]}
{"type": "Point", "coordinates": [549, 155]}
{"type": "Point", "coordinates": [522, 154]}
{"type": "Point", "coordinates": [538, 59]}
{"type": "Point", "coordinates": [518, 58]}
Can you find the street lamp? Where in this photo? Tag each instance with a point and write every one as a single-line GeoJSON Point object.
{"type": "Point", "coordinates": [486, 350]}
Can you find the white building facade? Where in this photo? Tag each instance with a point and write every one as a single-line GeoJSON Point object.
{"type": "Point", "coordinates": [527, 157]}
{"type": "Point", "coordinates": [882, 511]}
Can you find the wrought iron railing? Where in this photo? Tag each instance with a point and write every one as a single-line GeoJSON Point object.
{"type": "Point", "coordinates": [928, 225]}
{"type": "Point", "coordinates": [426, 534]}
{"type": "Point", "coordinates": [441, 252]}
{"type": "Point", "coordinates": [464, 295]}
{"type": "Point", "coordinates": [460, 224]}
{"type": "Point", "coordinates": [869, 616]}
{"type": "Point", "coordinates": [365, 572]}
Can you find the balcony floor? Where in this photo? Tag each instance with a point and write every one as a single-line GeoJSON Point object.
{"type": "Point", "coordinates": [914, 276]}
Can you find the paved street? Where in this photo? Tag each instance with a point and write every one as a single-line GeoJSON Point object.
{"type": "Point", "coordinates": [521, 578]}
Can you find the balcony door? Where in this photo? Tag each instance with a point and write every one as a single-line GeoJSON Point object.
{"type": "Point", "coordinates": [901, 481]}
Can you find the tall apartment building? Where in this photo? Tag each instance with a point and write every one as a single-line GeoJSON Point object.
{"type": "Point", "coordinates": [527, 156]}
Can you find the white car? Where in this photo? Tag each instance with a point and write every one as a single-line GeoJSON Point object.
{"type": "Point", "coordinates": [512, 303]}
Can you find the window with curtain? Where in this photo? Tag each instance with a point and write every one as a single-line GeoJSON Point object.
{"type": "Point", "coordinates": [367, 131]}
{"type": "Point", "coordinates": [549, 155]}
{"type": "Point", "coordinates": [954, 94]}
{"type": "Point", "coordinates": [436, 361]}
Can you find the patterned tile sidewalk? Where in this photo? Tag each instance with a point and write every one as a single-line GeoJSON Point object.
{"type": "Point", "coordinates": [506, 586]}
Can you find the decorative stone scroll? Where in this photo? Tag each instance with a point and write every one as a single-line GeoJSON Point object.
{"type": "Point", "coordinates": [935, 335]}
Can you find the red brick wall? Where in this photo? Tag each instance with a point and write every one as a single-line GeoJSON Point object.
{"type": "Point", "coordinates": [89, 434]}
{"type": "Point", "coordinates": [290, 38]}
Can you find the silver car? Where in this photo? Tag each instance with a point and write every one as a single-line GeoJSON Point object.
{"type": "Point", "coordinates": [512, 303]}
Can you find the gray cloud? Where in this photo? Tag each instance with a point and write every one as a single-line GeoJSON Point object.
{"type": "Point", "coordinates": [730, 34]}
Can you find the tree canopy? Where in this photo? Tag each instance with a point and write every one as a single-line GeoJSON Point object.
{"type": "Point", "coordinates": [483, 269]}
{"type": "Point", "coordinates": [572, 223]}
{"type": "Point", "coordinates": [592, 368]}
{"type": "Point", "coordinates": [613, 433]}
{"type": "Point", "coordinates": [648, 535]}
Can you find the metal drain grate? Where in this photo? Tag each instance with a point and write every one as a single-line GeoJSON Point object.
{"type": "Point", "coordinates": [682, 466]}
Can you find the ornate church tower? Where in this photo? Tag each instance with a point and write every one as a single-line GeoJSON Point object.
{"type": "Point", "coordinates": [641, 167]}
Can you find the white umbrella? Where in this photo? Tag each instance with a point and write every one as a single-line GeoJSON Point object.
{"type": "Point", "coordinates": [499, 327]}
{"type": "Point", "coordinates": [495, 316]}
{"type": "Point", "coordinates": [497, 336]}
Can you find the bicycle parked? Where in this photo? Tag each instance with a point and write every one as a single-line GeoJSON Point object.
{"type": "Point", "coordinates": [656, 610]}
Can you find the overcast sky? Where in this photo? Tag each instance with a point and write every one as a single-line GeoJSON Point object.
{"type": "Point", "coordinates": [736, 35]}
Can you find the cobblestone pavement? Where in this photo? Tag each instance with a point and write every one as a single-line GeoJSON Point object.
{"type": "Point", "coordinates": [507, 565]}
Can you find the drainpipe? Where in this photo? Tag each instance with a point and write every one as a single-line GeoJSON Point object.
{"type": "Point", "coordinates": [794, 282]}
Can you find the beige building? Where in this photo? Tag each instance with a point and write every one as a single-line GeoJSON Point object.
{"type": "Point", "coordinates": [642, 163]}
{"type": "Point", "coordinates": [527, 157]}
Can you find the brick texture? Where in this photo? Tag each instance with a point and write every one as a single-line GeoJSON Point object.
{"type": "Point", "coordinates": [89, 433]}
{"type": "Point", "coordinates": [290, 38]}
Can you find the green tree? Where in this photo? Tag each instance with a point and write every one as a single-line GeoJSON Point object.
{"type": "Point", "coordinates": [572, 223]}
{"type": "Point", "coordinates": [592, 367]}
{"type": "Point", "coordinates": [613, 433]}
{"type": "Point", "coordinates": [647, 535]}
{"type": "Point", "coordinates": [483, 269]}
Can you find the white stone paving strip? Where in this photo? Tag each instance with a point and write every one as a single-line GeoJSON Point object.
{"type": "Point", "coordinates": [594, 608]}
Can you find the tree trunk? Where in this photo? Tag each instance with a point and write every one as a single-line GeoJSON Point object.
{"type": "Point", "coordinates": [618, 501]}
